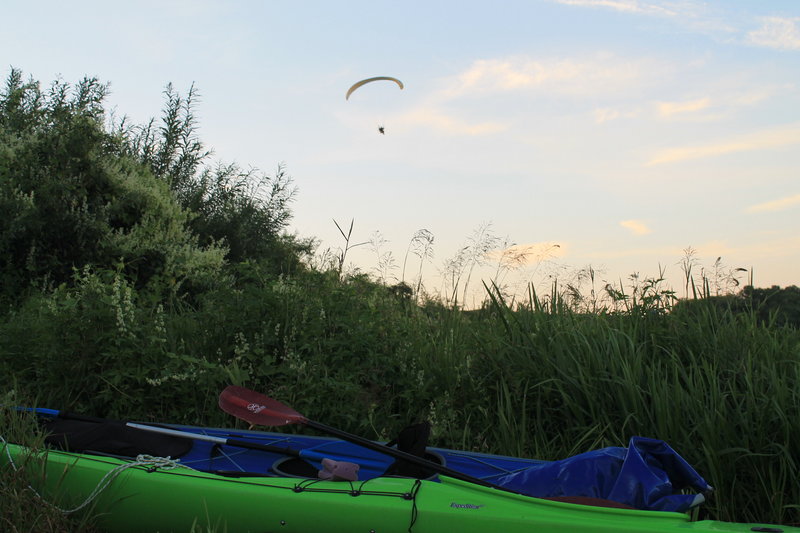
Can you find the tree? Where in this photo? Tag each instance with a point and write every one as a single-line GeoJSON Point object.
{"type": "Point", "coordinates": [246, 210]}
{"type": "Point", "coordinates": [781, 306]}
{"type": "Point", "coordinates": [72, 196]}
{"type": "Point", "coordinates": [770, 306]}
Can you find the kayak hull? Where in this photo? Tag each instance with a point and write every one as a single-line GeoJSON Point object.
{"type": "Point", "coordinates": [139, 498]}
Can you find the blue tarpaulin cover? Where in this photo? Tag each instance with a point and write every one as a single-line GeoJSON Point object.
{"type": "Point", "coordinates": [648, 474]}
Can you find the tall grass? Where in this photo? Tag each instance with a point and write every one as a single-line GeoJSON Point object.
{"type": "Point", "coordinates": [721, 389]}
{"type": "Point", "coordinates": [22, 509]}
{"type": "Point", "coordinates": [537, 380]}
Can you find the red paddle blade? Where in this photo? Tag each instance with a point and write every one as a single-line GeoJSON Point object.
{"type": "Point", "coordinates": [256, 408]}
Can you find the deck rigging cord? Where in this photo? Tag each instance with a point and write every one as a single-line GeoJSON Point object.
{"type": "Point", "coordinates": [152, 463]}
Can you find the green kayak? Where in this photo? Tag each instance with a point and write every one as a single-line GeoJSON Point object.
{"type": "Point", "coordinates": [148, 495]}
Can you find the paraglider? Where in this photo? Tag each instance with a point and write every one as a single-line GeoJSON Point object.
{"type": "Point", "coordinates": [370, 80]}
{"type": "Point", "coordinates": [358, 84]}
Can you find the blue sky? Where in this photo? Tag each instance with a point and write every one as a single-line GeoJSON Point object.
{"type": "Point", "coordinates": [622, 131]}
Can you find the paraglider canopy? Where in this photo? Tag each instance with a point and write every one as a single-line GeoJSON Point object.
{"type": "Point", "coordinates": [370, 80]}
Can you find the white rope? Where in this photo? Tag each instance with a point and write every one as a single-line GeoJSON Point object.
{"type": "Point", "coordinates": [153, 463]}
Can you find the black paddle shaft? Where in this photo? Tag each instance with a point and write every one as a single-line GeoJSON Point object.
{"type": "Point", "coordinates": [399, 454]}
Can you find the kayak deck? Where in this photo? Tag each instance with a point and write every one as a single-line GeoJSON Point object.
{"type": "Point", "coordinates": [211, 457]}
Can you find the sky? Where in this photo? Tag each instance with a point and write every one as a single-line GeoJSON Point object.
{"type": "Point", "coordinates": [533, 141]}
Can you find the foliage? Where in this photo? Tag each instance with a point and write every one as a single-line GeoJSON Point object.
{"type": "Point", "coordinates": [772, 306]}
{"type": "Point", "coordinates": [101, 226]}
{"type": "Point", "coordinates": [72, 198]}
{"type": "Point", "coordinates": [719, 386]}
{"type": "Point", "coordinates": [17, 480]}
{"type": "Point", "coordinates": [246, 210]}
{"type": "Point", "coordinates": [542, 380]}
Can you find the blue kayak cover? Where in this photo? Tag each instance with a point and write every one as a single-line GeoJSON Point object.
{"type": "Point", "coordinates": [648, 474]}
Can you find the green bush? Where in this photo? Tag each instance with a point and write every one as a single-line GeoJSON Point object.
{"type": "Point", "coordinates": [72, 199]}
{"type": "Point", "coordinates": [246, 210]}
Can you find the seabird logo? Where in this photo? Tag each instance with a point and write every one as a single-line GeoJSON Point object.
{"type": "Point", "coordinates": [455, 505]}
{"type": "Point", "coordinates": [255, 408]}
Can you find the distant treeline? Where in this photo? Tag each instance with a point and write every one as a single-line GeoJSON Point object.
{"type": "Point", "coordinates": [774, 306]}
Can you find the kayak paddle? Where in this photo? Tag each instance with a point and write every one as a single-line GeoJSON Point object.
{"type": "Point", "coordinates": [257, 408]}
{"type": "Point", "coordinates": [168, 431]}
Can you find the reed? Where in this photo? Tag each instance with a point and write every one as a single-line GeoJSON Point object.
{"type": "Point", "coordinates": [720, 388]}
{"type": "Point", "coordinates": [537, 379]}
{"type": "Point", "coordinates": [22, 509]}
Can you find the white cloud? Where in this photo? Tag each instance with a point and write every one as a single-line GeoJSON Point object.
{"type": "Point", "coordinates": [637, 227]}
{"type": "Point", "coordinates": [708, 19]}
{"type": "Point", "coordinates": [439, 120]}
{"type": "Point", "coordinates": [627, 6]}
{"type": "Point", "coordinates": [723, 104]}
{"type": "Point", "coordinates": [669, 109]}
{"type": "Point", "coordinates": [777, 32]}
{"type": "Point", "coordinates": [763, 140]}
{"type": "Point", "coordinates": [601, 73]}
{"type": "Point", "coordinates": [775, 205]}
{"type": "Point", "coordinates": [782, 33]}
{"type": "Point", "coordinates": [770, 246]}
{"type": "Point", "coordinates": [755, 95]}
{"type": "Point", "coordinates": [607, 114]}
{"type": "Point", "coordinates": [659, 253]}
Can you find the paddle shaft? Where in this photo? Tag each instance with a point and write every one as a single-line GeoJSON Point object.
{"type": "Point", "coordinates": [173, 432]}
{"type": "Point", "coordinates": [399, 454]}
{"type": "Point", "coordinates": [257, 408]}
{"type": "Point", "coordinates": [217, 440]}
